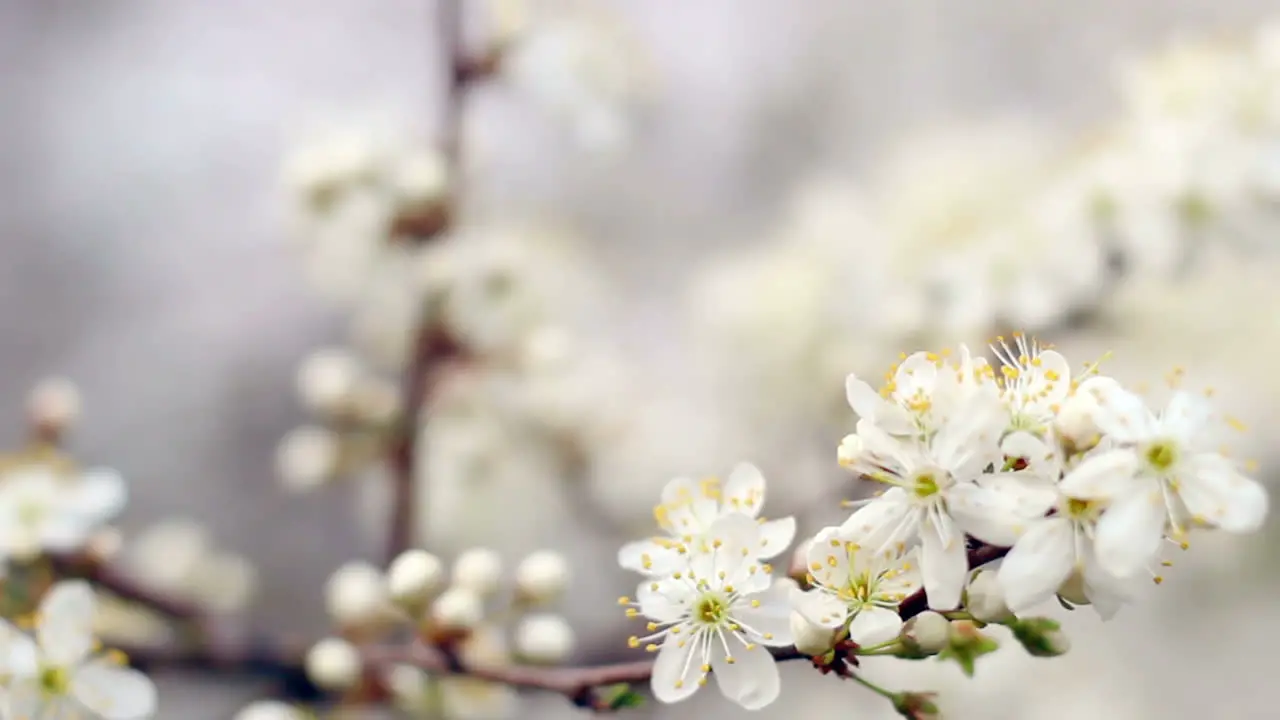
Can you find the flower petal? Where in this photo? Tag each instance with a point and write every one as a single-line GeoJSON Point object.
{"type": "Point", "coordinates": [874, 625]}
{"type": "Point", "coordinates": [665, 601]}
{"type": "Point", "coordinates": [675, 674]}
{"type": "Point", "coordinates": [1122, 415]}
{"type": "Point", "coordinates": [863, 399]}
{"type": "Point", "coordinates": [770, 623]}
{"type": "Point", "coordinates": [648, 557]}
{"type": "Point", "coordinates": [744, 491]}
{"type": "Point", "coordinates": [1106, 592]}
{"type": "Point", "coordinates": [751, 679]}
{"type": "Point", "coordinates": [1215, 492]}
{"type": "Point", "coordinates": [944, 566]}
{"type": "Point", "coordinates": [776, 537]}
{"type": "Point", "coordinates": [1186, 415]}
{"type": "Point", "coordinates": [18, 654]}
{"type": "Point", "coordinates": [100, 495]}
{"type": "Point", "coordinates": [1038, 564]}
{"type": "Point", "coordinates": [986, 514]}
{"type": "Point", "coordinates": [1101, 476]}
{"type": "Point", "coordinates": [874, 523]}
{"type": "Point", "coordinates": [1130, 532]}
{"type": "Point", "coordinates": [66, 623]}
{"type": "Point", "coordinates": [828, 560]}
{"type": "Point", "coordinates": [115, 693]}
{"type": "Point", "coordinates": [820, 608]}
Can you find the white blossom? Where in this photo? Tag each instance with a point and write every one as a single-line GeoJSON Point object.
{"type": "Point", "coordinates": [542, 575]}
{"type": "Point", "coordinates": [855, 587]}
{"type": "Point", "coordinates": [356, 593]}
{"type": "Point", "coordinates": [458, 608]}
{"type": "Point", "coordinates": [269, 710]}
{"type": "Point", "coordinates": [307, 457]}
{"type": "Point", "coordinates": [688, 510]}
{"type": "Point", "coordinates": [544, 638]}
{"type": "Point", "coordinates": [41, 509]}
{"type": "Point", "coordinates": [717, 615]}
{"type": "Point", "coordinates": [54, 403]}
{"type": "Point", "coordinates": [58, 674]}
{"type": "Point", "coordinates": [333, 664]}
{"type": "Point", "coordinates": [478, 570]}
{"type": "Point", "coordinates": [414, 576]}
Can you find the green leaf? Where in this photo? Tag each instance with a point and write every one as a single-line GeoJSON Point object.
{"type": "Point", "coordinates": [620, 696]}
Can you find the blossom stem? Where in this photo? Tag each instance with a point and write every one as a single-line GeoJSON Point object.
{"type": "Point", "coordinates": [882, 692]}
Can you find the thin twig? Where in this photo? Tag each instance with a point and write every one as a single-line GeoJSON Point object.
{"type": "Point", "coordinates": [125, 587]}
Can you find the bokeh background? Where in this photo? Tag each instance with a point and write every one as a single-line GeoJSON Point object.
{"type": "Point", "coordinates": [144, 253]}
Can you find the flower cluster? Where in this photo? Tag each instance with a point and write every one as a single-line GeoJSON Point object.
{"type": "Point", "coordinates": [1077, 476]}
{"type": "Point", "coordinates": [1072, 479]}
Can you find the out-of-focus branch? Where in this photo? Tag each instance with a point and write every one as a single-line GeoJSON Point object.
{"type": "Point", "coordinates": [124, 587]}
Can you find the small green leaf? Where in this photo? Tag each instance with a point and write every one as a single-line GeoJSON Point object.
{"type": "Point", "coordinates": [620, 696]}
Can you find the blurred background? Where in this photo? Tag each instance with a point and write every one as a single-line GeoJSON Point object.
{"type": "Point", "coordinates": [719, 209]}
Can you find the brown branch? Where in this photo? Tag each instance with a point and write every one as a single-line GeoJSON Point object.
{"type": "Point", "coordinates": [125, 587]}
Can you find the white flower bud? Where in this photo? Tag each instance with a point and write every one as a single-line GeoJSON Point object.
{"type": "Point", "coordinates": [414, 576]}
{"type": "Point", "coordinates": [54, 403]}
{"type": "Point", "coordinates": [810, 639]}
{"type": "Point", "coordinates": [458, 608]}
{"type": "Point", "coordinates": [376, 400]}
{"type": "Point", "coordinates": [307, 457]}
{"type": "Point", "coordinates": [356, 594]}
{"type": "Point", "coordinates": [421, 178]}
{"type": "Point", "coordinates": [544, 638]}
{"type": "Point", "coordinates": [225, 582]}
{"type": "Point", "coordinates": [269, 710]}
{"type": "Point", "coordinates": [928, 633]}
{"type": "Point", "coordinates": [985, 599]}
{"type": "Point", "coordinates": [542, 576]}
{"type": "Point", "coordinates": [478, 570]}
{"type": "Point", "coordinates": [327, 380]}
{"type": "Point", "coordinates": [850, 450]}
{"type": "Point", "coordinates": [333, 664]}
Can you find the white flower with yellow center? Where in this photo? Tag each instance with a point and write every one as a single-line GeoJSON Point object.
{"type": "Point", "coordinates": [688, 511]}
{"type": "Point", "coordinates": [1056, 546]}
{"type": "Point", "coordinates": [1033, 382]}
{"type": "Point", "coordinates": [717, 615]}
{"type": "Point", "coordinates": [920, 393]}
{"type": "Point", "coordinates": [856, 587]}
{"type": "Point", "coordinates": [56, 675]}
{"type": "Point", "coordinates": [42, 510]}
{"type": "Point", "coordinates": [1181, 480]}
{"type": "Point", "coordinates": [934, 498]}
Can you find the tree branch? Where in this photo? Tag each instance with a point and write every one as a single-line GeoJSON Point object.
{"type": "Point", "coordinates": [124, 587]}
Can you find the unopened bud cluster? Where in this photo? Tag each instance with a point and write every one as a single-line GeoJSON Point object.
{"type": "Point", "coordinates": [455, 607]}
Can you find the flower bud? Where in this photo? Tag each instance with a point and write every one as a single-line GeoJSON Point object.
{"type": "Point", "coordinates": [1074, 420]}
{"type": "Point", "coordinates": [307, 457]}
{"type": "Point", "coordinates": [406, 683]}
{"type": "Point", "coordinates": [811, 639]}
{"type": "Point", "coordinates": [414, 576]}
{"type": "Point", "coordinates": [542, 576]}
{"type": "Point", "coordinates": [356, 594]}
{"type": "Point", "coordinates": [917, 705]}
{"type": "Point", "coordinates": [333, 664]}
{"type": "Point", "coordinates": [926, 634]}
{"type": "Point", "coordinates": [421, 178]}
{"type": "Point", "coordinates": [478, 570]}
{"type": "Point", "coordinates": [985, 599]}
{"type": "Point", "coordinates": [327, 380]}
{"type": "Point", "coordinates": [269, 710]}
{"type": "Point", "coordinates": [1041, 637]}
{"type": "Point", "coordinates": [458, 608]}
{"type": "Point", "coordinates": [54, 404]}
{"type": "Point", "coordinates": [544, 638]}
{"type": "Point", "coordinates": [850, 450]}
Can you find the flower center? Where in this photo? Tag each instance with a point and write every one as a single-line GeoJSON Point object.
{"type": "Point", "coordinates": [926, 484]}
{"type": "Point", "coordinates": [858, 591]}
{"type": "Point", "coordinates": [1161, 455]}
{"type": "Point", "coordinates": [1083, 510]}
{"type": "Point", "coordinates": [711, 610]}
{"type": "Point", "coordinates": [54, 681]}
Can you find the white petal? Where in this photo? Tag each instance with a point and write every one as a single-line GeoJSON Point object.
{"type": "Point", "coordinates": [944, 566]}
{"type": "Point", "coordinates": [100, 494]}
{"type": "Point", "coordinates": [65, 532]}
{"type": "Point", "coordinates": [881, 448]}
{"type": "Point", "coordinates": [1048, 391]}
{"type": "Point", "coordinates": [670, 682]}
{"type": "Point", "coordinates": [986, 514]}
{"type": "Point", "coordinates": [1022, 444]}
{"type": "Point", "coordinates": [872, 524]}
{"type": "Point", "coordinates": [18, 654]}
{"type": "Point", "coordinates": [1038, 564]}
{"type": "Point", "coordinates": [916, 374]}
{"type": "Point", "coordinates": [1130, 532]}
{"type": "Point", "coordinates": [1186, 415]}
{"type": "Point", "coordinates": [820, 608]}
{"type": "Point", "coordinates": [648, 557]}
{"type": "Point", "coordinates": [115, 693]}
{"type": "Point", "coordinates": [1122, 415]}
{"type": "Point", "coordinates": [863, 399]}
{"type": "Point", "coordinates": [776, 537]}
{"type": "Point", "coordinates": [1215, 492]}
{"type": "Point", "coordinates": [1106, 592]}
{"type": "Point", "coordinates": [828, 559]}
{"type": "Point", "coordinates": [680, 491]}
{"type": "Point", "coordinates": [665, 600]}
{"type": "Point", "coordinates": [1101, 476]}
{"type": "Point", "coordinates": [1033, 496]}
{"type": "Point", "coordinates": [770, 623]}
{"type": "Point", "coordinates": [27, 699]}
{"type": "Point", "coordinates": [66, 623]}
{"type": "Point", "coordinates": [874, 625]}
{"type": "Point", "coordinates": [744, 490]}
{"type": "Point", "coordinates": [752, 679]}
{"type": "Point", "coordinates": [976, 424]}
